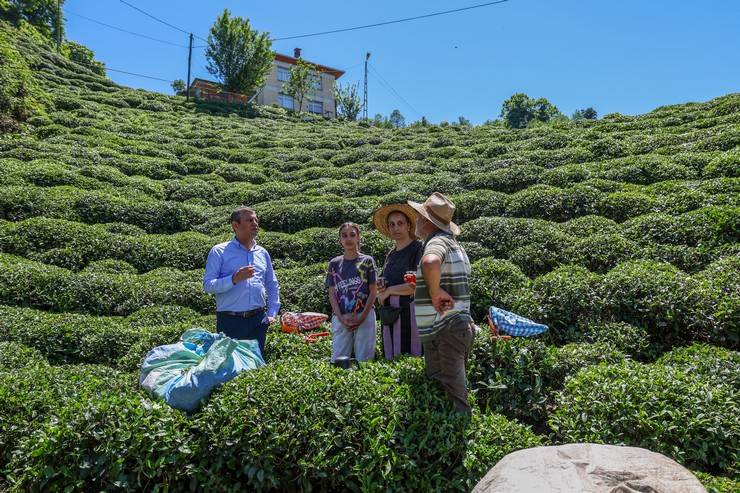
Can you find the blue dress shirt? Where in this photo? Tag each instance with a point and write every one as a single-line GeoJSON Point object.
{"type": "Point", "coordinates": [259, 291]}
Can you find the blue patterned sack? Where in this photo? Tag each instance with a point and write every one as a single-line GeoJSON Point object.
{"type": "Point", "coordinates": [513, 324]}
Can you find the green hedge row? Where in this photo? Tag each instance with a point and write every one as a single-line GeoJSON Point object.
{"type": "Point", "coordinates": [520, 377]}
{"type": "Point", "coordinates": [89, 200]}
{"type": "Point", "coordinates": [23, 202]}
{"type": "Point", "coordinates": [675, 409]}
{"type": "Point", "coordinates": [27, 283]}
{"type": "Point", "coordinates": [377, 428]}
{"type": "Point", "coordinates": [672, 306]}
{"type": "Point", "coordinates": [689, 241]}
{"type": "Point", "coordinates": [76, 338]}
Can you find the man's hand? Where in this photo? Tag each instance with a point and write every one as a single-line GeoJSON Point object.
{"type": "Point", "coordinates": [242, 274]}
{"type": "Point", "coordinates": [270, 320]}
{"type": "Point", "coordinates": [442, 301]}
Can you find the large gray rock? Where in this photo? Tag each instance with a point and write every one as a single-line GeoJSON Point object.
{"type": "Point", "coordinates": [588, 468]}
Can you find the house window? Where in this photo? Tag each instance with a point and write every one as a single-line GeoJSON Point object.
{"type": "Point", "coordinates": [283, 74]}
{"type": "Point", "coordinates": [316, 107]}
{"type": "Point", "coordinates": [285, 101]}
{"type": "Point", "coordinates": [316, 81]}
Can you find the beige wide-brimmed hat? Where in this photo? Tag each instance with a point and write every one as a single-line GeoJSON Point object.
{"type": "Point", "coordinates": [380, 217]}
{"type": "Point", "coordinates": [439, 210]}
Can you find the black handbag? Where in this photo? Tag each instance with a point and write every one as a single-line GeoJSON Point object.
{"type": "Point", "coordinates": [388, 315]}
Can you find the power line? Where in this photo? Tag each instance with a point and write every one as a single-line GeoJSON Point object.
{"type": "Point", "coordinates": [372, 67]}
{"type": "Point", "coordinates": [396, 21]}
{"type": "Point", "coordinates": [124, 30]}
{"type": "Point", "coordinates": [121, 71]}
{"type": "Point", "coordinates": [159, 20]}
{"type": "Point", "coordinates": [138, 75]}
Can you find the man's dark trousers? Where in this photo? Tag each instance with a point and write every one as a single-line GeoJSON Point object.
{"type": "Point", "coordinates": [236, 327]}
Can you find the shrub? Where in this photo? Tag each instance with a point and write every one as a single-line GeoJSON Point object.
{"type": "Point", "coordinates": [29, 396]}
{"type": "Point", "coordinates": [97, 433]}
{"type": "Point", "coordinates": [689, 417]}
{"type": "Point", "coordinates": [382, 432]}
{"type": "Point", "coordinates": [652, 295]}
{"type": "Point", "coordinates": [717, 294]}
{"type": "Point", "coordinates": [20, 95]}
{"type": "Point", "coordinates": [573, 357]}
{"type": "Point", "coordinates": [717, 484]}
{"type": "Point", "coordinates": [292, 216]}
{"type": "Point", "coordinates": [14, 356]}
{"type": "Point", "coordinates": [621, 206]}
{"type": "Point", "coordinates": [655, 228]}
{"type": "Point", "coordinates": [507, 180]}
{"type": "Point", "coordinates": [563, 298]}
{"type": "Point", "coordinates": [589, 225]}
{"type": "Point", "coordinates": [510, 377]}
{"type": "Point", "coordinates": [726, 164]}
{"type": "Point", "coordinates": [282, 346]}
{"type": "Point", "coordinates": [108, 266]}
{"type": "Point", "coordinates": [492, 283]}
{"type": "Point", "coordinates": [708, 361]}
{"type": "Point", "coordinates": [601, 252]}
{"type": "Point", "coordinates": [631, 340]}
{"type": "Point", "coordinates": [26, 283]}
{"type": "Point", "coordinates": [712, 226]}
{"type": "Point", "coordinates": [478, 203]}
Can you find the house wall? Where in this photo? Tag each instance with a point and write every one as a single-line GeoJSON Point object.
{"type": "Point", "coordinates": [269, 93]}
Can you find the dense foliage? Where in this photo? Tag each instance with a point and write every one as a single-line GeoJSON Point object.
{"type": "Point", "coordinates": [620, 233]}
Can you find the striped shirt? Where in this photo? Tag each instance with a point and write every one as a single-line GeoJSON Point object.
{"type": "Point", "coordinates": [454, 280]}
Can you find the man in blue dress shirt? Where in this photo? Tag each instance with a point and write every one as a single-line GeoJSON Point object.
{"type": "Point", "coordinates": [239, 272]}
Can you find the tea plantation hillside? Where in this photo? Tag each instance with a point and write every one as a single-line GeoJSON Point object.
{"type": "Point", "coordinates": [621, 234]}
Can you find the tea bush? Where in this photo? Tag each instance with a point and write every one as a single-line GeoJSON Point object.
{"type": "Point", "coordinates": [381, 431]}
{"type": "Point", "coordinates": [690, 417]}
{"type": "Point", "coordinates": [621, 234]}
{"type": "Point", "coordinates": [493, 282]}
{"type": "Point", "coordinates": [631, 340]}
{"type": "Point", "coordinates": [14, 356]}
{"type": "Point", "coordinates": [95, 433]}
{"type": "Point", "coordinates": [709, 361]}
{"type": "Point", "coordinates": [652, 295]}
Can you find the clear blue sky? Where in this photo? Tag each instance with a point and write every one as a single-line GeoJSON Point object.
{"type": "Point", "coordinates": [626, 56]}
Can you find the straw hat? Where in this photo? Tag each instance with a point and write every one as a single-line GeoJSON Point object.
{"type": "Point", "coordinates": [380, 217]}
{"type": "Point", "coordinates": [439, 210]}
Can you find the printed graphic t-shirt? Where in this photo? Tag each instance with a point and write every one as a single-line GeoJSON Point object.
{"type": "Point", "coordinates": [351, 279]}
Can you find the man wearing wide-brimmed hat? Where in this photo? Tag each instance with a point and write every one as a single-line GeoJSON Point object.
{"type": "Point", "coordinates": [443, 298]}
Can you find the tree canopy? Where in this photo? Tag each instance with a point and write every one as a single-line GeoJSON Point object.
{"type": "Point", "coordinates": [348, 101]}
{"type": "Point", "coordinates": [520, 110]}
{"type": "Point", "coordinates": [238, 55]}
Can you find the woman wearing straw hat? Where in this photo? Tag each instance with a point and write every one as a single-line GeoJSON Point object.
{"type": "Point", "coordinates": [396, 297]}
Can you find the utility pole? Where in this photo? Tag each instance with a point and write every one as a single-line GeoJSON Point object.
{"type": "Point", "coordinates": [364, 101]}
{"type": "Point", "coordinates": [59, 26]}
{"type": "Point", "coordinates": [190, 59]}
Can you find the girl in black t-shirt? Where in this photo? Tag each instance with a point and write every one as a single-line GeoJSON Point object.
{"type": "Point", "coordinates": [396, 297]}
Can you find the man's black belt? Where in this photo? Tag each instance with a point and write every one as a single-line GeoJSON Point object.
{"type": "Point", "coordinates": [247, 314]}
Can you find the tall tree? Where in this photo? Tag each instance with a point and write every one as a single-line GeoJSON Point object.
{"type": "Point", "coordinates": [301, 83]}
{"type": "Point", "coordinates": [586, 114]}
{"type": "Point", "coordinates": [178, 85]}
{"type": "Point", "coordinates": [397, 119]}
{"type": "Point", "coordinates": [348, 101]}
{"type": "Point", "coordinates": [519, 110]}
{"type": "Point", "coordinates": [590, 114]}
{"type": "Point", "coordinates": [41, 14]}
{"type": "Point", "coordinates": [238, 55]}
